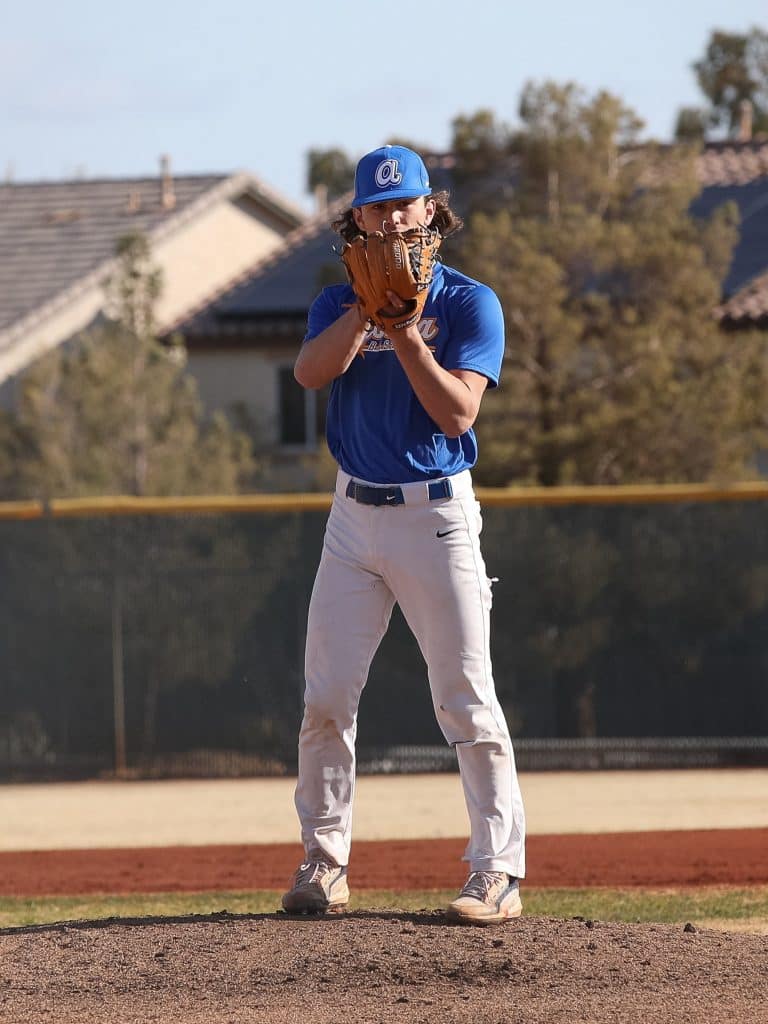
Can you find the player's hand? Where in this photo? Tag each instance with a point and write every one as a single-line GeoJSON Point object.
{"type": "Point", "coordinates": [395, 308]}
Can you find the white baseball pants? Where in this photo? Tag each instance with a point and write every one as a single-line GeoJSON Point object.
{"type": "Point", "coordinates": [373, 556]}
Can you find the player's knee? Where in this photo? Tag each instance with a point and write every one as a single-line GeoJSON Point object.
{"type": "Point", "coordinates": [469, 723]}
{"type": "Point", "coordinates": [323, 715]}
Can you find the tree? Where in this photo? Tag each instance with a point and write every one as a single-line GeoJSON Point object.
{"type": "Point", "coordinates": [132, 292]}
{"type": "Point", "coordinates": [732, 71]}
{"type": "Point", "coordinates": [570, 151]}
{"type": "Point", "coordinates": [483, 176]}
{"type": "Point", "coordinates": [691, 124]}
{"type": "Point", "coordinates": [114, 412]}
{"type": "Point", "coordinates": [401, 140]}
{"type": "Point", "coordinates": [480, 141]}
{"type": "Point", "coordinates": [331, 169]}
{"type": "Point", "coordinates": [616, 371]}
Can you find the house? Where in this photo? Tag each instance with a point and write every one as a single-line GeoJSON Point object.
{"type": "Point", "coordinates": [243, 339]}
{"type": "Point", "coordinates": [738, 172]}
{"type": "Point", "coordinates": [57, 243]}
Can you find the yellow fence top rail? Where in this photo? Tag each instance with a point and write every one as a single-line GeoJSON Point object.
{"type": "Point", "coordinates": [629, 494]}
{"type": "Point", "coordinates": [20, 510]}
{"type": "Point", "coordinates": [634, 494]}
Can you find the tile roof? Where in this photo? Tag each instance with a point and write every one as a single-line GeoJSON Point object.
{"type": "Point", "coordinates": [738, 172]}
{"type": "Point", "coordinates": [54, 234]}
{"type": "Point", "coordinates": [733, 163]}
{"type": "Point", "coordinates": [749, 306]}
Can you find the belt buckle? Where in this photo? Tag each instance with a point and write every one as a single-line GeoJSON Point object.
{"type": "Point", "coordinates": [380, 497]}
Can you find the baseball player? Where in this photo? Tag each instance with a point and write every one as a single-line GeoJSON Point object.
{"type": "Point", "coordinates": [404, 526]}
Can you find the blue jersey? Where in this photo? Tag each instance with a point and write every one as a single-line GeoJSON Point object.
{"type": "Point", "coordinates": [377, 430]}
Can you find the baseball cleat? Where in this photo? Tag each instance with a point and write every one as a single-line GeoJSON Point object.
{"type": "Point", "coordinates": [488, 897]}
{"type": "Point", "coordinates": [318, 888]}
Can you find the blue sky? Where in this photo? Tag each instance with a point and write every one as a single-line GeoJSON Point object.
{"type": "Point", "coordinates": [99, 89]}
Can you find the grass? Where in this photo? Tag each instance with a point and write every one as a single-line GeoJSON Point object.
{"type": "Point", "coordinates": [745, 909]}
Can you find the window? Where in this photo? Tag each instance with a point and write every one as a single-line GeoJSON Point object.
{"type": "Point", "coordinates": [302, 412]}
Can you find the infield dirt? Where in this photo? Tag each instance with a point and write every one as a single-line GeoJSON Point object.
{"type": "Point", "coordinates": [645, 860]}
{"type": "Point", "coordinates": [195, 812]}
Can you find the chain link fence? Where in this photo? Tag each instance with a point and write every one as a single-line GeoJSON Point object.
{"type": "Point", "coordinates": [170, 643]}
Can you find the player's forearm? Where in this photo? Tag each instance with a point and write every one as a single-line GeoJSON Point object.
{"type": "Point", "coordinates": [328, 355]}
{"type": "Point", "coordinates": [447, 399]}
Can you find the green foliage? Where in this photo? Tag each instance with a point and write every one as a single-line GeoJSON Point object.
{"type": "Point", "coordinates": [571, 151]}
{"type": "Point", "coordinates": [734, 69]}
{"type": "Point", "coordinates": [616, 371]}
{"type": "Point", "coordinates": [133, 291]}
{"type": "Point", "coordinates": [114, 412]}
{"type": "Point", "coordinates": [669, 906]}
{"type": "Point", "coordinates": [332, 168]}
{"type": "Point", "coordinates": [401, 140]}
{"type": "Point", "coordinates": [691, 124]}
{"type": "Point", "coordinates": [480, 141]}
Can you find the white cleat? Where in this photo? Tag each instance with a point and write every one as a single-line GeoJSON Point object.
{"type": "Point", "coordinates": [488, 897]}
{"type": "Point", "coordinates": [318, 888]}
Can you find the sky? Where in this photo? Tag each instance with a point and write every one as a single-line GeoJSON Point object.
{"type": "Point", "coordinates": [95, 89]}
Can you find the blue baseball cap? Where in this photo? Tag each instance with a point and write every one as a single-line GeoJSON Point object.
{"type": "Point", "coordinates": [392, 172]}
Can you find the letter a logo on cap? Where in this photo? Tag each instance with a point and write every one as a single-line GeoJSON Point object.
{"type": "Point", "coordinates": [388, 174]}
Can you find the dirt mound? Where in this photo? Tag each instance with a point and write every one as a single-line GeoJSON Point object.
{"type": "Point", "coordinates": [382, 966]}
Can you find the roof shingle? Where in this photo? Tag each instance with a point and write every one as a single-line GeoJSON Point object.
{"type": "Point", "coordinates": [53, 234]}
{"type": "Point", "coordinates": [732, 163]}
{"type": "Point", "coordinates": [748, 306]}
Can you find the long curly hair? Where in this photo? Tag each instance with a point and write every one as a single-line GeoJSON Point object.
{"type": "Point", "coordinates": [445, 220]}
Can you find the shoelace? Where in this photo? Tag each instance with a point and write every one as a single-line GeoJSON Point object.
{"type": "Point", "coordinates": [480, 883]}
{"type": "Point", "coordinates": [312, 871]}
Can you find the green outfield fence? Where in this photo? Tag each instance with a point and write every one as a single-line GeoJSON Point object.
{"type": "Point", "coordinates": [164, 637]}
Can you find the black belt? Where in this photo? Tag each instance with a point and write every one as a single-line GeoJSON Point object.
{"type": "Point", "coordinates": [366, 495]}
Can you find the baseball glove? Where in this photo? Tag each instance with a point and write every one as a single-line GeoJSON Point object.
{"type": "Point", "coordinates": [400, 262]}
